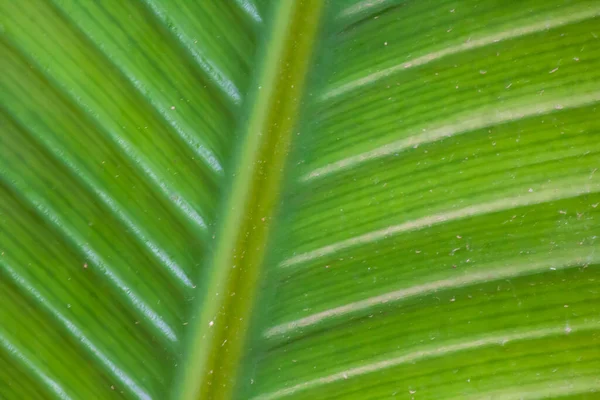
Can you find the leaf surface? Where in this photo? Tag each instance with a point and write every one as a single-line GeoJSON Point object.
{"type": "Point", "coordinates": [299, 200]}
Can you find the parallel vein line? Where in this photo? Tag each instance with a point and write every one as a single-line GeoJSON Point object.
{"type": "Point", "coordinates": [479, 120]}
{"type": "Point", "coordinates": [556, 192]}
{"type": "Point", "coordinates": [567, 17]}
{"type": "Point", "coordinates": [581, 384]}
{"type": "Point", "coordinates": [116, 209]}
{"type": "Point", "coordinates": [73, 237]}
{"type": "Point", "coordinates": [491, 274]}
{"type": "Point", "coordinates": [359, 7]}
{"type": "Point", "coordinates": [218, 77]}
{"type": "Point", "coordinates": [497, 340]}
{"type": "Point", "coordinates": [249, 9]}
{"type": "Point", "coordinates": [88, 344]}
{"type": "Point", "coordinates": [50, 383]}
{"type": "Point", "coordinates": [202, 151]}
{"type": "Point", "coordinates": [127, 149]}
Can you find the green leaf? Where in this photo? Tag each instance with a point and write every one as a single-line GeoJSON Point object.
{"type": "Point", "coordinates": [299, 199]}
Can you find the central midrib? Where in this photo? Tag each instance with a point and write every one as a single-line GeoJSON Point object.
{"type": "Point", "coordinates": [219, 323]}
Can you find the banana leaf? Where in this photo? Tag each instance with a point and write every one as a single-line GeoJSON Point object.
{"type": "Point", "coordinates": [299, 199]}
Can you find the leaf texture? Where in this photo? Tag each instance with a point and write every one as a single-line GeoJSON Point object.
{"type": "Point", "coordinates": [305, 199]}
{"type": "Point", "coordinates": [116, 128]}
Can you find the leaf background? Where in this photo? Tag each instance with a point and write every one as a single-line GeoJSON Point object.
{"type": "Point", "coordinates": [299, 199]}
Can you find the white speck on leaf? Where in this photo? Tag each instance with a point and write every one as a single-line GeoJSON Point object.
{"type": "Point", "coordinates": [568, 329]}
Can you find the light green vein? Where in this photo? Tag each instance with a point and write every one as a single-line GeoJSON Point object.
{"type": "Point", "coordinates": [225, 85]}
{"type": "Point", "coordinates": [491, 273]}
{"type": "Point", "coordinates": [569, 386]}
{"type": "Point", "coordinates": [194, 144]}
{"type": "Point", "coordinates": [565, 18]}
{"type": "Point", "coordinates": [546, 193]}
{"type": "Point", "coordinates": [430, 352]}
{"type": "Point", "coordinates": [127, 149]}
{"type": "Point", "coordinates": [250, 10]}
{"type": "Point", "coordinates": [50, 384]}
{"type": "Point", "coordinates": [119, 212]}
{"type": "Point", "coordinates": [483, 118]}
{"type": "Point", "coordinates": [362, 7]}
{"type": "Point", "coordinates": [72, 236]}
{"type": "Point", "coordinates": [117, 372]}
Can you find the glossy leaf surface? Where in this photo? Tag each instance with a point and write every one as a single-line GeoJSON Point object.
{"type": "Point", "coordinates": [299, 199]}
